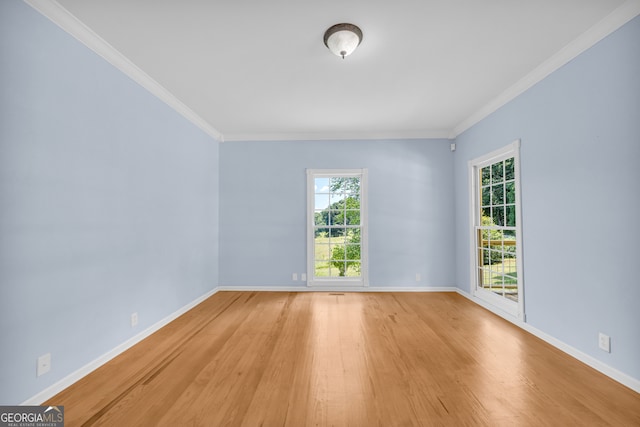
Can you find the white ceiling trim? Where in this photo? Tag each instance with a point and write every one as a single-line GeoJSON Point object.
{"type": "Point", "coordinates": [69, 23]}
{"type": "Point", "coordinates": [616, 19]}
{"type": "Point", "coordinates": [336, 136]}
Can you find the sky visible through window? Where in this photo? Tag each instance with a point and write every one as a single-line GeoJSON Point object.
{"type": "Point", "coordinates": [321, 190]}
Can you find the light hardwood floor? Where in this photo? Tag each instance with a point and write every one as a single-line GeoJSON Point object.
{"type": "Point", "coordinates": [352, 359]}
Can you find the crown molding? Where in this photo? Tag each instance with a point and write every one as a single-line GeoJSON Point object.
{"type": "Point", "coordinates": [338, 136]}
{"type": "Point", "coordinates": [616, 19]}
{"type": "Point", "coordinates": [72, 25]}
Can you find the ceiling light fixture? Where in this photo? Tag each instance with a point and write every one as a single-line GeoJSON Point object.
{"type": "Point", "coordinates": [343, 39]}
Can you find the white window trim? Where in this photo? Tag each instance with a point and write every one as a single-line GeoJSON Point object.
{"type": "Point", "coordinates": [334, 282]}
{"type": "Point", "coordinates": [514, 309]}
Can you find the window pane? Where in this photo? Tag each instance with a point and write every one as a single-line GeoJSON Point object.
{"type": "Point", "coordinates": [511, 215]}
{"type": "Point", "coordinates": [322, 251]}
{"type": "Point", "coordinates": [353, 269]}
{"type": "Point", "coordinates": [349, 185]}
{"type": "Point", "coordinates": [497, 172]}
{"type": "Point", "coordinates": [498, 216]}
{"type": "Point", "coordinates": [335, 183]}
{"type": "Point", "coordinates": [339, 268]}
{"type": "Point", "coordinates": [485, 216]}
{"type": "Point", "coordinates": [337, 251]}
{"type": "Point", "coordinates": [486, 175]}
{"type": "Point", "coordinates": [509, 169]}
{"type": "Point", "coordinates": [353, 217]}
{"type": "Point", "coordinates": [498, 194]}
{"type": "Point", "coordinates": [337, 217]}
{"type": "Point", "coordinates": [321, 201]}
{"type": "Point", "coordinates": [353, 252]}
{"type": "Point", "coordinates": [322, 268]}
{"type": "Point", "coordinates": [486, 196]}
{"type": "Point", "coordinates": [321, 185]}
{"type": "Point", "coordinates": [511, 192]}
{"type": "Point", "coordinates": [484, 257]}
{"type": "Point", "coordinates": [352, 185]}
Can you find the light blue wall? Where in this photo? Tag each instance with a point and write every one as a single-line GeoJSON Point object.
{"type": "Point", "coordinates": [580, 131]}
{"type": "Point", "coordinates": [263, 209]}
{"type": "Point", "coordinates": [108, 205]}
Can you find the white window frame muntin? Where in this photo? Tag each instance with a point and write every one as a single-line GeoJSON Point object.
{"type": "Point", "coordinates": [363, 280]}
{"type": "Point", "coordinates": [515, 309]}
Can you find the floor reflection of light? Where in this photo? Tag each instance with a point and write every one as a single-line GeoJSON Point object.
{"type": "Point", "coordinates": [498, 380]}
{"type": "Point", "coordinates": [338, 368]}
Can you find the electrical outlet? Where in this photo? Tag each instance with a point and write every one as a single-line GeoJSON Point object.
{"type": "Point", "coordinates": [604, 342]}
{"type": "Point", "coordinates": [303, 277]}
{"type": "Point", "coordinates": [44, 364]}
{"type": "Point", "coordinates": [294, 276]}
{"type": "Point", "coordinates": [418, 278]}
{"type": "Point", "coordinates": [134, 320]}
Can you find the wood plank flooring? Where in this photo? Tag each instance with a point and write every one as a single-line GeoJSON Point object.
{"type": "Point", "coordinates": [352, 359]}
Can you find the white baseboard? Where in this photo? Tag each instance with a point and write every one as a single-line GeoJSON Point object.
{"type": "Point", "coordinates": [305, 288]}
{"type": "Point", "coordinates": [621, 377]}
{"type": "Point", "coordinates": [624, 379]}
{"type": "Point", "coordinates": [65, 382]}
{"type": "Point", "coordinates": [70, 379]}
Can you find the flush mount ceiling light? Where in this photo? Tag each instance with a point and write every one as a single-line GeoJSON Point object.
{"type": "Point", "coordinates": [343, 39]}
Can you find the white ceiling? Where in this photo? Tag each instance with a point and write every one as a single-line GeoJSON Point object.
{"type": "Point", "coordinates": [258, 70]}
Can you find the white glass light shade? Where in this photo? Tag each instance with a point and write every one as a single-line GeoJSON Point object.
{"type": "Point", "coordinates": [343, 39]}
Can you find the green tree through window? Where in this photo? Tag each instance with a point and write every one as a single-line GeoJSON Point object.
{"type": "Point", "coordinates": [337, 226]}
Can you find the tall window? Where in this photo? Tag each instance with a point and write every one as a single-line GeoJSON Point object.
{"type": "Point", "coordinates": [337, 233]}
{"type": "Point", "coordinates": [497, 254]}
